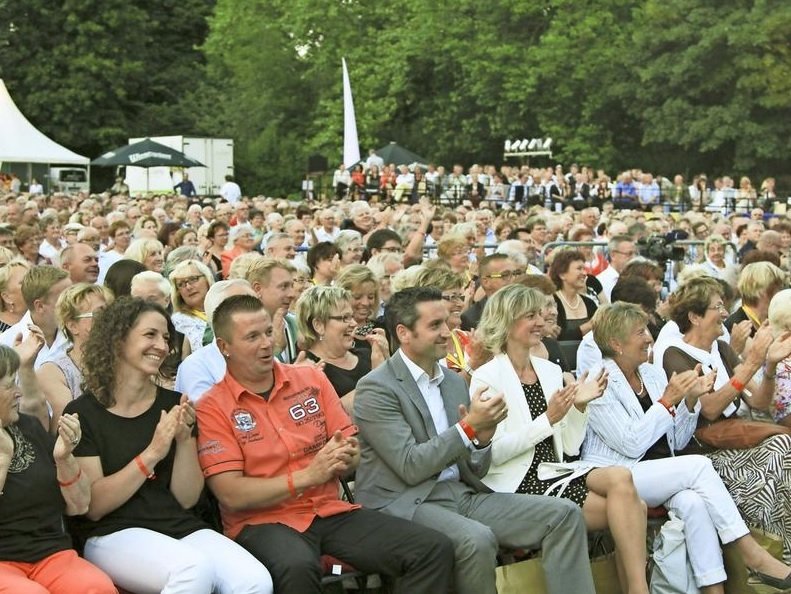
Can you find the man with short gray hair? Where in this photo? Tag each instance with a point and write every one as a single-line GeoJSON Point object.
{"type": "Point", "coordinates": [621, 251]}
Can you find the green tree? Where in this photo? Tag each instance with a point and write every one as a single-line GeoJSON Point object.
{"type": "Point", "coordinates": [91, 73]}
{"type": "Point", "coordinates": [714, 82]}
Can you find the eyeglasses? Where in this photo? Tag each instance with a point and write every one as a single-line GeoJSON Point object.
{"type": "Point", "coordinates": [185, 282]}
{"type": "Point", "coordinates": [84, 316]}
{"type": "Point", "coordinates": [507, 275]}
{"type": "Point", "coordinates": [719, 307]}
{"type": "Point", "coordinates": [457, 297]}
{"type": "Point", "coordinates": [347, 319]}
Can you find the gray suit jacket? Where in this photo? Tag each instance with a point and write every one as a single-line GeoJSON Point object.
{"type": "Point", "coordinates": [401, 452]}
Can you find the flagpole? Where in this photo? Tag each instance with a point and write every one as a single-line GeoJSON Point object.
{"type": "Point", "coordinates": [351, 144]}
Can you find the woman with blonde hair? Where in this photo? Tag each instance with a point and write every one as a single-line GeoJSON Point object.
{"type": "Point", "coordinates": [456, 297]}
{"type": "Point", "coordinates": [12, 304]}
{"type": "Point", "coordinates": [190, 281]}
{"type": "Point", "coordinates": [454, 250]}
{"type": "Point", "coordinates": [363, 285]}
{"type": "Point", "coordinates": [758, 283]}
{"type": "Point", "coordinates": [746, 196]}
{"type": "Point", "coordinates": [149, 252]}
{"type": "Point", "coordinates": [546, 423]}
{"type": "Point", "coordinates": [326, 327]}
{"type": "Point", "coordinates": [61, 379]}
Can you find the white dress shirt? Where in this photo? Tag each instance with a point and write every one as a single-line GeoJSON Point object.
{"type": "Point", "coordinates": [57, 349]}
{"type": "Point", "coordinates": [608, 277]}
{"type": "Point", "coordinates": [429, 389]}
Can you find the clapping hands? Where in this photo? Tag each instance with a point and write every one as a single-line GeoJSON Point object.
{"type": "Point", "coordinates": [590, 389]}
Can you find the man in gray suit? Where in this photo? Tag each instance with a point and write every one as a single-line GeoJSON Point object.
{"type": "Point", "coordinates": [416, 464]}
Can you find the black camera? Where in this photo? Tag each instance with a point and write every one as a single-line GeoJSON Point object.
{"type": "Point", "coordinates": [660, 249]}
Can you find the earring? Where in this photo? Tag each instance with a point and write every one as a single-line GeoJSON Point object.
{"type": "Point", "coordinates": [11, 307]}
{"type": "Point", "coordinates": [226, 355]}
{"type": "Point", "coordinates": [321, 337]}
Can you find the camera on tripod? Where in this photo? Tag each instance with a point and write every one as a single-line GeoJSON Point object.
{"type": "Point", "coordinates": [660, 249]}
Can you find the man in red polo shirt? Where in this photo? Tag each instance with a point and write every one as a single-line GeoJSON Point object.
{"type": "Point", "coordinates": [273, 440]}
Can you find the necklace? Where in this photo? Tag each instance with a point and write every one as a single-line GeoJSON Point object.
{"type": "Point", "coordinates": [642, 385]}
{"type": "Point", "coordinates": [569, 305]}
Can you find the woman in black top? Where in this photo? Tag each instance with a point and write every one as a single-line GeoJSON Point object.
{"type": "Point", "coordinates": [326, 326]}
{"type": "Point", "coordinates": [575, 310]}
{"type": "Point", "coordinates": [139, 454]}
{"type": "Point", "coordinates": [40, 481]}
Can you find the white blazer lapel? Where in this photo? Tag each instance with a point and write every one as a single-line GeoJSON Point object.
{"type": "Point", "coordinates": [512, 388]}
{"type": "Point", "coordinates": [551, 381]}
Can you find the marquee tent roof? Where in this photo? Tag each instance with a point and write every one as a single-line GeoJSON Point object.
{"type": "Point", "coordinates": [21, 142]}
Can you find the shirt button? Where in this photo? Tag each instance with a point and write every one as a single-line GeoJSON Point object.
{"type": "Point", "coordinates": [418, 501]}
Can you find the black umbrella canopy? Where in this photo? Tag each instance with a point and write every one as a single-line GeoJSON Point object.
{"type": "Point", "coordinates": [397, 154]}
{"type": "Point", "coordinates": [146, 153]}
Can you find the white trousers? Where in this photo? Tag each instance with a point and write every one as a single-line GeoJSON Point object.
{"type": "Point", "coordinates": [691, 488]}
{"type": "Point", "coordinates": [143, 561]}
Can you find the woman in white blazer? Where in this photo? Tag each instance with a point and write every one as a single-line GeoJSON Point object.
{"type": "Point", "coordinates": [640, 421]}
{"type": "Point", "coordinates": [546, 422]}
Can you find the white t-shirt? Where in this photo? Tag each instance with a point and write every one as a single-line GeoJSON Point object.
{"type": "Point", "coordinates": [200, 371]}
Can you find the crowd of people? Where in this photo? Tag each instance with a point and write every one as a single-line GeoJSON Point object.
{"type": "Point", "coordinates": [185, 381]}
{"type": "Point", "coordinates": [552, 187]}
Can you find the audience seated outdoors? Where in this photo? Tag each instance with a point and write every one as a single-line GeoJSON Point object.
{"type": "Point", "coordinates": [490, 386]}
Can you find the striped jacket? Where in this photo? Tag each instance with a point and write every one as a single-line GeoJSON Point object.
{"type": "Point", "coordinates": [620, 433]}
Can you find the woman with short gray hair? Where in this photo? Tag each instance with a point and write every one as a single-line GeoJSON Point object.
{"type": "Point", "coordinates": [641, 422]}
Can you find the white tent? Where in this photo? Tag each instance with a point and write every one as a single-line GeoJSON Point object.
{"type": "Point", "coordinates": [21, 142]}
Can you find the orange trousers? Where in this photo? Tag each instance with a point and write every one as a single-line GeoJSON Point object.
{"type": "Point", "coordinates": [60, 573]}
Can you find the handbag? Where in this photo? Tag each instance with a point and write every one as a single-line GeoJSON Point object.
{"type": "Point", "coordinates": [738, 434]}
{"type": "Point", "coordinates": [672, 573]}
{"type": "Point", "coordinates": [521, 577]}
{"type": "Point", "coordinates": [603, 566]}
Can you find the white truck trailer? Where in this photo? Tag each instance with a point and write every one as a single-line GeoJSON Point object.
{"type": "Point", "coordinates": [215, 153]}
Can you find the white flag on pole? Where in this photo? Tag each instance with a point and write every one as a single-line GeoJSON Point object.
{"type": "Point", "coordinates": [351, 145]}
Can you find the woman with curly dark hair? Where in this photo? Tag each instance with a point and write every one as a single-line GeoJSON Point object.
{"type": "Point", "coordinates": [139, 453]}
